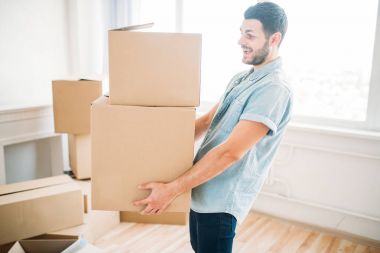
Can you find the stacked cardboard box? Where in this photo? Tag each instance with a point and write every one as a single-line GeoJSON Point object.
{"type": "Point", "coordinates": [71, 105]}
{"type": "Point", "coordinates": [80, 155]}
{"type": "Point", "coordinates": [173, 218]}
{"type": "Point", "coordinates": [39, 206]}
{"type": "Point", "coordinates": [145, 130]}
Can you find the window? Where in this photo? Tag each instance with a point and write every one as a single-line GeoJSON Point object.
{"type": "Point", "coordinates": [161, 13]}
{"type": "Point", "coordinates": [328, 56]}
{"type": "Point", "coordinates": [329, 53]}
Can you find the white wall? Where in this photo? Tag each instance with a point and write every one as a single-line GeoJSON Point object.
{"type": "Point", "coordinates": [42, 40]}
{"type": "Point", "coordinates": [33, 50]}
{"type": "Point", "coordinates": [326, 177]}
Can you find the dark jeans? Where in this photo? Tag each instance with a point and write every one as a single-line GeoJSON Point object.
{"type": "Point", "coordinates": [212, 232]}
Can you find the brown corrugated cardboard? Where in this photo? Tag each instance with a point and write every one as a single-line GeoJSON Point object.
{"type": "Point", "coordinates": [29, 212]}
{"type": "Point", "coordinates": [154, 69]}
{"type": "Point", "coordinates": [71, 104]}
{"type": "Point", "coordinates": [176, 218]}
{"type": "Point", "coordinates": [133, 145]}
{"type": "Point", "coordinates": [80, 155]}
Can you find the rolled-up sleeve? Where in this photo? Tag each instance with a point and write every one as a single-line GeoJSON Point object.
{"type": "Point", "coordinates": [268, 107]}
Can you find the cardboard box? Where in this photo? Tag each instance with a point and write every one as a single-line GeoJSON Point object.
{"type": "Point", "coordinates": [71, 104]}
{"type": "Point", "coordinates": [80, 155]}
{"type": "Point", "coordinates": [53, 244]}
{"type": "Point", "coordinates": [39, 206]}
{"type": "Point", "coordinates": [133, 145]}
{"type": "Point", "coordinates": [154, 69]}
{"type": "Point", "coordinates": [176, 218]}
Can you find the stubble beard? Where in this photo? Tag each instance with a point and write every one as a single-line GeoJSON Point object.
{"type": "Point", "coordinates": [260, 55]}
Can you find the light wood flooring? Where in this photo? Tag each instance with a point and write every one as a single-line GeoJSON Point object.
{"type": "Point", "coordinates": [258, 234]}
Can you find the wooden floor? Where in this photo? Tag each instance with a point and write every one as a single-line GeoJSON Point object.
{"type": "Point", "coordinates": [258, 234]}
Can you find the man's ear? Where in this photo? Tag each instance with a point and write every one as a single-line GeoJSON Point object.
{"type": "Point", "coordinates": [275, 39]}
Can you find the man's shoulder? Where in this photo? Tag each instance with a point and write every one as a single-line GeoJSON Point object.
{"type": "Point", "coordinates": [278, 80]}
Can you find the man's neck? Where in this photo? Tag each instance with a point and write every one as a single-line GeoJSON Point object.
{"type": "Point", "coordinates": [269, 59]}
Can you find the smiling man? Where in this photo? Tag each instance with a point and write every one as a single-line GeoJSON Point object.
{"type": "Point", "coordinates": [243, 132]}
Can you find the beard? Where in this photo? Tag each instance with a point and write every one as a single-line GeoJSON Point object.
{"type": "Point", "coordinates": [259, 56]}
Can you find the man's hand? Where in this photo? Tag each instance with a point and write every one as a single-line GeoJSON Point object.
{"type": "Point", "coordinates": [161, 196]}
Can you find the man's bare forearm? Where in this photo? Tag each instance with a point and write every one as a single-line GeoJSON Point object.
{"type": "Point", "coordinates": [212, 164]}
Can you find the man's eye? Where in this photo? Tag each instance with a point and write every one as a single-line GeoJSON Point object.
{"type": "Point", "coordinates": [249, 36]}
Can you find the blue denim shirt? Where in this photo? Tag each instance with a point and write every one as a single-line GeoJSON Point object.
{"type": "Point", "coordinates": [261, 96]}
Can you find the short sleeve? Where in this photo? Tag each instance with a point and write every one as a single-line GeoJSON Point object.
{"type": "Point", "coordinates": [268, 106]}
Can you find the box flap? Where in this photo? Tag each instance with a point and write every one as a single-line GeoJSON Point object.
{"type": "Point", "coordinates": [76, 80]}
{"type": "Point", "coordinates": [102, 100]}
{"type": "Point", "coordinates": [34, 184]}
{"type": "Point", "coordinates": [96, 78]}
{"type": "Point", "coordinates": [39, 193]}
{"type": "Point", "coordinates": [46, 245]}
{"type": "Point", "coordinates": [134, 27]}
{"type": "Point", "coordinates": [53, 237]}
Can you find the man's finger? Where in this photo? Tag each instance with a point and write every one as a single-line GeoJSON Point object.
{"type": "Point", "coordinates": [141, 202]}
{"type": "Point", "coordinates": [147, 210]}
{"type": "Point", "coordinates": [145, 186]}
{"type": "Point", "coordinates": [153, 211]}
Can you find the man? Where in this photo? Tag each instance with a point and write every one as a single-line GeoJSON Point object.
{"type": "Point", "coordinates": [243, 132]}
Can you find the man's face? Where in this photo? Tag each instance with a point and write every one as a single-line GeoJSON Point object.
{"type": "Point", "coordinates": [253, 42]}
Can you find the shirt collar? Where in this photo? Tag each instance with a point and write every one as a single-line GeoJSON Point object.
{"type": "Point", "coordinates": [266, 69]}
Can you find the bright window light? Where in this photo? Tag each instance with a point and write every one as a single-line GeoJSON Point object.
{"type": "Point", "coordinates": [327, 52]}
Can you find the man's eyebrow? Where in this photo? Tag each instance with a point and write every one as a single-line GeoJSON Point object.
{"type": "Point", "coordinates": [247, 30]}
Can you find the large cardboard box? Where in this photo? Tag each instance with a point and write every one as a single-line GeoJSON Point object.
{"type": "Point", "coordinates": [154, 69]}
{"type": "Point", "coordinates": [175, 218]}
{"type": "Point", "coordinates": [80, 155]}
{"type": "Point", "coordinates": [39, 206]}
{"type": "Point", "coordinates": [71, 104]}
{"type": "Point", "coordinates": [133, 145]}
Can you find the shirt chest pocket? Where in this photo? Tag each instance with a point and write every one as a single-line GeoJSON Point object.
{"type": "Point", "coordinates": [231, 117]}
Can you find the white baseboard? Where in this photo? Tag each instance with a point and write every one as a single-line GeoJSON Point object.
{"type": "Point", "coordinates": [341, 221]}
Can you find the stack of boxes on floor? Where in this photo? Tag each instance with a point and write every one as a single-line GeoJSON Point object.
{"type": "Point", "coordinates": [51, 210]}
{"type": "Point", "coordinates": [71, 104]}
{"type": "Point", "coordinates": [144, 131]}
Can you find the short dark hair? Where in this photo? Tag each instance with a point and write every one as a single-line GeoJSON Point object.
{"type": "Point", "coordinates": [271, 16]}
